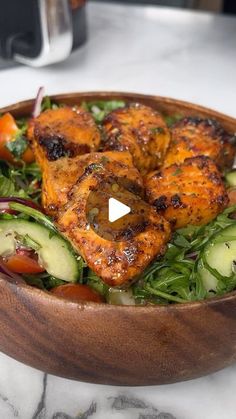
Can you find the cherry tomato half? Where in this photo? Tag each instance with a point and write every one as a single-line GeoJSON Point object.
{"type": "Point", "coordinates": [8, 131]}
{"type": "Point", "coordinates": [23, 264]}
{"type": "Point", "coordinates": [28, 156]}
{"type": "Point", "coordinates": [77, 292]}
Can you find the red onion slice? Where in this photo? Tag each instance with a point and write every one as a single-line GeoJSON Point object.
{"type": "Point", "coordinates": [4, 204]}
{"type": "Point", "coordinates": [4, 207]}
{"type": "Point", "coordinates": [38, 102]}
{"type": "Point", "coordinates": [8, 278]}
{"type": "Point", "coordinates": [192, 255]}
{"type": "Point", "coordinates": [5, 273]}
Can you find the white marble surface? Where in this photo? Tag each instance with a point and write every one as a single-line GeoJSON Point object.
{"type": "Point", "coordinates": [29, 394]}
{"type": "Point", "coordinates": [182, 54]}
{"type": "Point", "coordinates": [168, 52]}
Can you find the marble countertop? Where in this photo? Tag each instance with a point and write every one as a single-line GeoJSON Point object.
{"type": "Point", "coordinates": [168, 52]}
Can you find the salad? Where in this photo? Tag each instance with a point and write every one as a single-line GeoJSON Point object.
{"type": "Point", "coordinates": [193, 254]}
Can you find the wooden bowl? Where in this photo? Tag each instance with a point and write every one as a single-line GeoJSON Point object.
{"type": "Point", "coordinates": [122, 345]}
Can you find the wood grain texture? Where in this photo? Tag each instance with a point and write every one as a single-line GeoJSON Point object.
{"type": "Point", "coordinates": [118, 345]}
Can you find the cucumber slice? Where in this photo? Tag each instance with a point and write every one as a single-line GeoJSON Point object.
{"type": "Point", "coordinates": [209, 281]}
{"type": "Point", "coordinates": [220, 255]}
{"type": "Point", "coordinates": [54, 253]}
{"type": "Point", "coordinates": [120, 297]}
{"type": "Point", "coordinates": [231, 178]}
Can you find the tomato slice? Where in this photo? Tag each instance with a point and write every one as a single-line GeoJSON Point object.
{"type": "Point", "coordinates": [8, 127]}
{"type": "Point", "coordinates": [23, 264]}
{"type": "Point", "coordinates": [8, 131]}
{"type": "Point", "coordinates": [77, 293]}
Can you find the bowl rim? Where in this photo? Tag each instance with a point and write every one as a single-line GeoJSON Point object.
{"type": "Point", "coordinates": [46, 295]}
{"type": "Point", "coordinates": [103, 94]}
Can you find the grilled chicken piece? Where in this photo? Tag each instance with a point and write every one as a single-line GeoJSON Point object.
{"type": "Point", "coordinates": [57, 133]}
{"type": "Point", "coordinates": [190, 193]}
{"type": "Point", "coordinates": [193, 137]}
{"type": "Point", "coordinates": [61, 175]}
{"type": "Point", "coordinates": [120, 260]}
{"type": "Point", "coordinates": [140, 130]}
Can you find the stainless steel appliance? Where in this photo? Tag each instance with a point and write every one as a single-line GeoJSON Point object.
{"type": "Point", "coordinates": [40, 32]}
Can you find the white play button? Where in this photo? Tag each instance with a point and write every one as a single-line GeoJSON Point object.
{"type": "Point", "coordinates": [116, 210]}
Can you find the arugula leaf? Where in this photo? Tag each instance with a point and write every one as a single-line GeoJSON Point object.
{"type": "Point", "coordinates": [96, 283]}
{"type": "Point", "coordinates": [181, 241]}
{"type": "Point", "coordinates": [34, 281]}
{"type": "Point", "coordinates": [34, 213]}
{"type": "Point", "coordinates": [174, 277]}
{"type": "Point", "coordinates": [4, 168]}
{"type": "Point", "coordinates": [43, 281]}
{"type": "Point", "coordinates": [157, 130]}
{"type": "Point", "coordinates": [50, 282]}
{"type": "Point", "coordinates": [33, 170]}
{"type": "Point", "coordinates": [47, 103]}
{"type": "Point", "coordinates": [25, 180]}
{"type": "Point", "coordinates": [22, 124]}
{"type": "Point", "coordinates": [7, 187]}
{"type": "Point", "coordinates": [165, 295]}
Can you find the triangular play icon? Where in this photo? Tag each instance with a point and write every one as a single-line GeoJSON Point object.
{"type": "Point", "coordinates": [116, 210]}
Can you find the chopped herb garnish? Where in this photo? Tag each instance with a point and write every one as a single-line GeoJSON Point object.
{"type": "Point", "coordinates": [18, 146]}
{"type": "Point", "coordinates": [178, 171]}
{"type": "Point", "coordinates": [96, 166]}
{"type": "Point", "coordinates": [104, 160]}
{"type": "Point", "coordinates": [100, 109]}
{"type": "Point", "coordinates": [157, 130]}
